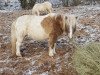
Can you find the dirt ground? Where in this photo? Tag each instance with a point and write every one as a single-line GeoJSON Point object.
{"type": "Point", "coordinates": [35, 60]}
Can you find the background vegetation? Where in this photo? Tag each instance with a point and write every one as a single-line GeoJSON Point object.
{"type": "Point", "coordinates": [27, 4]}
{"type": "Point", "coordinates": [87, 59]}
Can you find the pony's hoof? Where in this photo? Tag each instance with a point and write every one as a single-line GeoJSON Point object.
{"type": "Point", "coordinates": [54, 52]}
{"type": "Point", "coordinates": [51, 54]}
{"type": "Point", "coordinates": [18, 54]}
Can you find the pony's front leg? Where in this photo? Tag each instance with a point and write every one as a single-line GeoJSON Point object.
{"type": "Point", "coordinates": [54, 50]}
{"type": "Point", "coordinates": [51, 50]}
{"type": "Point", "coordinates": [52, 44]}
{"type": "Point", "coordinates": [18, 44]}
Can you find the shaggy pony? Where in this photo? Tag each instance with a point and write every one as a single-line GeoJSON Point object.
{"type": "Point", "coordinates": [50, 27]}
{"type": "Point", "coordinates": [42, 8]}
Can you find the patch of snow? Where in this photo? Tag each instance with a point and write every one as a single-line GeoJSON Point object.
{"type": "Point", "coordinates": [30, 70]}
{"type": "Point", "coordinates": [28, 58]}
{"type": "Point", "coordinates": [10, 5]}
{"type": "Point", "coordinates": [33, 62]}
{"type": "Point", "coordinates": [6, 68]}
{"type": "Point", "coordinates": [45, 73]}
{"type": "Point", "coordinates": [82, 11]}
{"type": "Point", "coordinates": [4, 11]}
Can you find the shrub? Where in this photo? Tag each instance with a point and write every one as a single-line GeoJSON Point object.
{"type": "Point", "coordinates": [86, 60]}
{"type": "Point", "coordinates": [27, 4]}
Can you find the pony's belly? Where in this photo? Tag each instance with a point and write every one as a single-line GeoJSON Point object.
{"type": "Point", "coordinates": [39, 37]}
{"type": "Point", "coordinates": [38, 34]}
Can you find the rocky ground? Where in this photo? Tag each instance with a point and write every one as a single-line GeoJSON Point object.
{"type": "Point", "coordinates": [35, 60]}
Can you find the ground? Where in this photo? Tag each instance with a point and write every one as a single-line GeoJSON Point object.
{"type": "Point", "coordinates": [35, 60]}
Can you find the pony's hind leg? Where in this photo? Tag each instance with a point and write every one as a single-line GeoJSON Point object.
{"type": "Point", "coordinates": [13, 42]}
{"type": "Point", "coordinates": [18, 44]}
{"type": "Point", "coordinates": [13, 39]}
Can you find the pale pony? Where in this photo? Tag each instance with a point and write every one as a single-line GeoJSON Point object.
{"type": "Point", "coordinates": [42, 8]}
{"type": "Point", "coordinates": [48, 27]}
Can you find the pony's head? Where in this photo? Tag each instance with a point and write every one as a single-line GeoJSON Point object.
{"type": "Point", "coordinates": [67, 23]}
{"type": "Point", "coordinates": [70, 25]}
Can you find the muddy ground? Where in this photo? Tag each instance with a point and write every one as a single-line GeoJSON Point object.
{"type": "Point", "coordinates": [35, 60]}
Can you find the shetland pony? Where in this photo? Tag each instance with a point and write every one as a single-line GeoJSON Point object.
{"type": "Point", "coordinates": [50, 27]}
{"type": "Point", "coordinates": [42, 8]}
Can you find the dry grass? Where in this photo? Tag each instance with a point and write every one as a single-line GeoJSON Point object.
{"type": "Point", "coordinates": [86, 59]}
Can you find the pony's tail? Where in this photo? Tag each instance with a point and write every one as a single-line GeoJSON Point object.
{"type": "Point", "coordinates": [13, 39]}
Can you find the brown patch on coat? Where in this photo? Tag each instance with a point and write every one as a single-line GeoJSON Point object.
{"type": "Point", "coordinates": [54, 27]}
{"type": "Point", "coordinates": [53, 24]}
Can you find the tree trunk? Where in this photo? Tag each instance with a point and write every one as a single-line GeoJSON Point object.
{"type": "Point", "coordinates": [70, 2]}
{"type": "Point", "coordinates": [27, 4]}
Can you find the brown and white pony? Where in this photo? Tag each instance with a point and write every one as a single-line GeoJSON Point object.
{"type": "Point", "coordinates": [42, 8]}
{"type": "Point", "coordinates": [49, 27]}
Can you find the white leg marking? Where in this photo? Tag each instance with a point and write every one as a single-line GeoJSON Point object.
{"type": "Point", "coordinates": [18, 44]}
{"type": "Point", "coordinates": [70, 33]}
{"type": "Point", "coordinates": [18, 48]}
{"type": "Point", "coordinates": [51, 51]}
{"type": "Point", "coordinates": [54, 49]}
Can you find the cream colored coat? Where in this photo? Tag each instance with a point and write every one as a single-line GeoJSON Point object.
{"type": "Point", "coordinates": [42, 8]}
{"type": "Point", "coordinates": [49, 27]}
